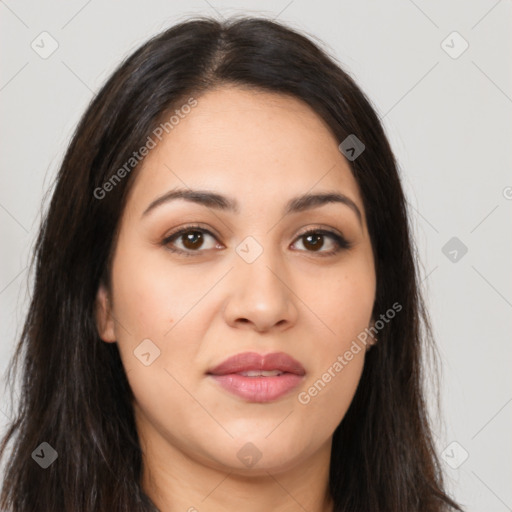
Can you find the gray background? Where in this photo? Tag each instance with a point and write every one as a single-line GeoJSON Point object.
{"type": "Point", "coordinates": [448, 117]}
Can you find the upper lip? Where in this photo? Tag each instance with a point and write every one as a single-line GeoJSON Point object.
{"type": "Point", "coordinates": [248, 361]}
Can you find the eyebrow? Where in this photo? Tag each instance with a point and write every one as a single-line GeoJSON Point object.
{"type": "Point", "coordinates": [219, 202]}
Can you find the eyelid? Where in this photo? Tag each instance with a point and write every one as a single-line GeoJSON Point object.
{"type": "Point", "coordinates": [187, 228]}
{"type": "Point", "coordinates": [328, 231]}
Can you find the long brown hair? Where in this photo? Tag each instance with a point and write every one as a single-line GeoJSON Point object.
{"type": "Point", "coordinates": [74, 393]}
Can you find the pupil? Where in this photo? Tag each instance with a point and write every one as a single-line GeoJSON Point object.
{"type": "Point", "coordinates": [193, 240]}
{"type": "Point", "coordinates": [317, 244]}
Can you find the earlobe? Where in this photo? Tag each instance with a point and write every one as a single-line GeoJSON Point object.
{"type": "Point", "coordinates": [372, 339]}
{"type": "Point", "coordinates": [104, 318]}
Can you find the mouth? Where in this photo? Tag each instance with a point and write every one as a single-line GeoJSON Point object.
{"type": "Point", "coordinates": [258, 378]}
{"type": "Point", "coordinates": [261, 373]}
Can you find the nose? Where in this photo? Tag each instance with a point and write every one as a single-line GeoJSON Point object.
{"type": "Point", "coordinates": [261, 296]}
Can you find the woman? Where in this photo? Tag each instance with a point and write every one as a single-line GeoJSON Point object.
{"type": "Point", "coordinates": [226, 312]}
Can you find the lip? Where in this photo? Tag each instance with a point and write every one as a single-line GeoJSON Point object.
{"type": "Point", "coordinates": [260, 388]}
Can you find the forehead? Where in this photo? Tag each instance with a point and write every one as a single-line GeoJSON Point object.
{"type": "Point", "coordinates": [249, 144]}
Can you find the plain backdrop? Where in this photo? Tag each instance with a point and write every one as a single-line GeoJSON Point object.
{"type": "Point", "coordinates": [438, 74]}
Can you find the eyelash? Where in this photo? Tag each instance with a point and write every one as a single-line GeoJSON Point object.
{"type": "Point", "coordinates": [341, 242]}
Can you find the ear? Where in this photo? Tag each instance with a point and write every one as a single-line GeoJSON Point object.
{"type": "Point", "coordinates": [104, 318]}
{"type": "Point", "coordinates": [372, 339]}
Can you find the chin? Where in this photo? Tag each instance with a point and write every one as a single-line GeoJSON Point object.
{"type": "Point", "coordinates": [257, 458]}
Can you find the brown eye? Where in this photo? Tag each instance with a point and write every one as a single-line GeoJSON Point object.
{"type": "Point", "coordinates": [190, 240]}
{"type": "Point", "coordinates": [315, 241]}
{"type": "Point", "coordinates": [193, 240]}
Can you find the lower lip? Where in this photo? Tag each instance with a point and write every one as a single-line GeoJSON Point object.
{"type": "Point", "coordinates": [259, 389]}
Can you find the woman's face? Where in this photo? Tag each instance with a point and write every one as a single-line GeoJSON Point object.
{"type": "Point", "coordinates": [242, 278]}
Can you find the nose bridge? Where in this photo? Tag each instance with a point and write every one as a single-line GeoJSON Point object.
{"type": "Point", "coordinates": [261, 295]}
{"type": "Point", "coordinates": [257, 265]}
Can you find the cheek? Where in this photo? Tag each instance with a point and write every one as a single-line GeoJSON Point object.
{"type": "Point", "coordinates": [342, 308]}
{"type": "Point", "coordinates": [342, 302]}
{"type": "Point", "coordinates": [156, 302]}
{"type": "Point", "coordinates": [328, 394]}
{"type": "Point", "coordinates": [151, 296]}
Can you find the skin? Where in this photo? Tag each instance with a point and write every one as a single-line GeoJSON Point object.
{"type": "Point", "coordinates": [261, 149]}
